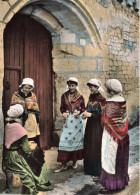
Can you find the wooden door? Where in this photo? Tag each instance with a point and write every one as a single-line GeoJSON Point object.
{"type": "Point", "coordinates": [27, 53]}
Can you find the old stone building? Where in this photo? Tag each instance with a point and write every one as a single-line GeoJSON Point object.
{"type": "Point", "coordinates": [51, 40]}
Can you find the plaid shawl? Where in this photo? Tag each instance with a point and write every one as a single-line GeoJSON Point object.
{"type": "Point", "coordinates": [115, 121]}
{"type": "Point", "coordinates": [78, 102]}
{"type": "Point", "coordinates": [29, 103]}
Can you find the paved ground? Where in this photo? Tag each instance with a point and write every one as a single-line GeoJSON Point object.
{"type": "Point", "coordinates": [74, 182]}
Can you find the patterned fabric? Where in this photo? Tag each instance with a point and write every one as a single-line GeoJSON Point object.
{"type": "Point", "coordinates": [71, 140]}
{"type": "Point", "coordinates": [115, 121]}
{"type": "Point", "coordinates": [78, 103]}
{"type": "Point", "coordinates": [96, 103]}
{"type": "Point", "coordinates": [29, 103]}
{"type": "Point", "coordinates": [72, 134]}
{"type": "Point", "coordinates": [13, 132]}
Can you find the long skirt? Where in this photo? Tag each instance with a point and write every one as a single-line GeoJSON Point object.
{"type": "Point", "coordinates": [64, 156]}
{"type": "Point", "coordinates": [92, 147]}
{"type": "Point", "coordinates": [33, 180]}
{"type": "Point", "coordinates": [120, 179]}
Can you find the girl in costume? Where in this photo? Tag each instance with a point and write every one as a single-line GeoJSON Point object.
{"type": "Point", "coordinates": [115, 141]}
{"type": "Point", "coordinates": [18, 157]}
{"type": "Point", "coordinates": [31, 116]}
{"type": "Point", "coordinates": [94, 130]}
{"type": "Point", "coordinates": [71, 140]}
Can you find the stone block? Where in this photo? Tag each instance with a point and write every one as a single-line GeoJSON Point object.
{"type": "Point", "coordinates": [20, 5]}
{"type": "Point", "coordinates": [87, 65]}
{"type": "Point", "coordinates": [82, 41]}
{"type": "Point", "coordinates": [106, 63]}
{"type": "Point", "coordinates": [72, 50]}
{"type": "Point", "coordinates": [100, 65]}
{"type": "Point", "coordinates": [67, 36]}
{"type": "Point", "coordinates": [56, 52]}
{"type": "Point", "coordinates": [65, 65]}
{"type": "Point", "coordinates": [91, 51]}
{"type": "Point", "coordinates": [12, 2]}
{"type": "Point", "coordinates": [4, 8]}
{"type": "Point", "coordinates": [8, 17]}
{"type": "Point", "coordinates": [2, 27]}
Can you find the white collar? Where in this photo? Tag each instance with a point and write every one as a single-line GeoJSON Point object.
{"type": "Point", "coordinates": [117, 98]}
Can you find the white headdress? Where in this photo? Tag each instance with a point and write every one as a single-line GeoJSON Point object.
{"type": "Point", "coordinates": [27, 81]}
{"type": "Point", "coordinates": [73, 79]}
{"type": "Point", "coordinates": [97, 83]}
{"type": "Point", "coordinates": [114, 85]}
{"type": "Point", "coordinates": [15, 111]}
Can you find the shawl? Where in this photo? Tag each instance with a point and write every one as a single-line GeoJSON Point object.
{"type": "Point", "coordinates": [78, 103]}
{"type": "Point", "coordinates": [13, 132]}
{"type": "Point", "coordinates": [29, 103]}
{"type": "Point", "coordinates": [115, 121]}
{"type": "Point", "coordinates": [96, 103]}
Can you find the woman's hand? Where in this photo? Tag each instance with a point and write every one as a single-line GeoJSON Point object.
{"type": "Point", "coordinates": [86, 115]}
{"type": "Point", "coordinates": [77, 114]}
{"type": "Point", "coordinates": [32, 145]}
{"type": "Point", "coordinates": [65, 115]}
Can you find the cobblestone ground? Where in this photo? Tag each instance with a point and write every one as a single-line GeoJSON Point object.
{"type": "Point", "coordinates": [74, 182]}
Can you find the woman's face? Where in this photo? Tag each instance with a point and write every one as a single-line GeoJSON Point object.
{"type": "Point", "coordinates": [93, 89]}
{"type": "Point", "coordinates": [72, 88]}
{"type": "Point", "coordinates": [27, 89]}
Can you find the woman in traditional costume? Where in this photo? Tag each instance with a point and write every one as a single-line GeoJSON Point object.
{"type": "Point", "coordinates": [115, 141]}
{"type": "Point", "coordinates": [18, 157]}
{"type": "Point", "coordinates": [94, 130]}
{"type": "Point", "coordinates": [31, 116]}
{"type": "Point", "coordinates": [71, 140]}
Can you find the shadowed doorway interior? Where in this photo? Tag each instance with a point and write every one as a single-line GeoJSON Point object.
{"type": "Point", "coordinates": [27, 53]}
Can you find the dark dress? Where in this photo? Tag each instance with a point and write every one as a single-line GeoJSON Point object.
{"type": "Point", "coordinates": [93, 135]}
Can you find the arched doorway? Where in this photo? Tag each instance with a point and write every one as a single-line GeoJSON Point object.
{"type": "Point", "coordinates": [27, 53]}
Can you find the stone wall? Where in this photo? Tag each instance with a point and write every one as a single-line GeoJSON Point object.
{"type": "Point", "coordinates": [115, 57]}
